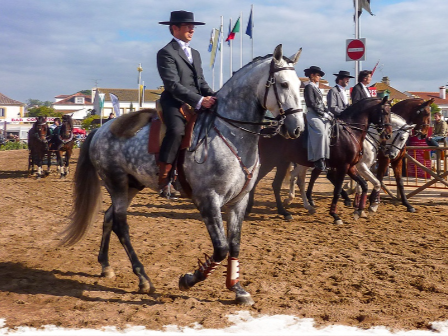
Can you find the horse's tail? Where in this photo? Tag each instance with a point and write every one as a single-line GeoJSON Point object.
{"type": "Point", "coordinates": [87, 196]}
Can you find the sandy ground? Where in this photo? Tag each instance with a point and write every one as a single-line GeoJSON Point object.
{"type": "Point", "coordinates": [389, 269]}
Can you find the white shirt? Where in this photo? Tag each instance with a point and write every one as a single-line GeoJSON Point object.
{"type": "Point", "coordinates": [186, 48]}
{"type": "Point", "coordinates": [366, 90]}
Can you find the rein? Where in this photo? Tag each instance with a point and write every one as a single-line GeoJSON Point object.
{"type": "Point", "coordinates": [275, 123]}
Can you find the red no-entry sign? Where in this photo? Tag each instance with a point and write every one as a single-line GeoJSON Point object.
{"type": "Point", "coordinates": [356, 49]}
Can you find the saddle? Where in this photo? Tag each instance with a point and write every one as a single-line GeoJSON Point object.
{"type": "Point", "coordinates": [158, 128]}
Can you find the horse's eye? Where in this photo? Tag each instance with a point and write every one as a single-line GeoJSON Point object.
{"type": "Point", "coordinates": [402, 139]}
{"type": "Point", "coordinates": [285, 85]}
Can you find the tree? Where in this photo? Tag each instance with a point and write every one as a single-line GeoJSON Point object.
{"type": "Point", "coordinates": [434, 108]}
{"type": "Point", "coordinates": [37, 102]}
{"type": "Point", "coordinates": [43, 111]}
{"type": "Point", "coordinates": [86, 92]}
{"type": "Point", "coordinates": [88, 124]}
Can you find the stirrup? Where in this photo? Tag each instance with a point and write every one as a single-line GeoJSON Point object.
{"type": "Point", "coordinates": [169, 192]}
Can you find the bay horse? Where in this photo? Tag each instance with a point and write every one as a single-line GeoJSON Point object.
{"type": "Point", "coordinates": [371, 146]}
{"type": "Point", "coordinates": [415, 111]}
{"type": "Point", "coordinates": [345, 152]}
{"type": "Point", "coordinates": [63, 142]}
{"type": "Point", "coordinates": [220, 172]}
{"type": "Point", "coordinates": [38, 147]}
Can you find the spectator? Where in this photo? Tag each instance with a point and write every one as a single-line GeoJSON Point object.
{"type": "Point", "coordinates": [439, 132]}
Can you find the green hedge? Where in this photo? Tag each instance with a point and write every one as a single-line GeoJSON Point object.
{"type": "Point", "coordinates": [13, 145]}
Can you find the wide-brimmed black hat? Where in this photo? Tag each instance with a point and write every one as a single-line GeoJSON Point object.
{"type": "Point", "coordinates": [181, 16]}
{"type": "Point", "coordinates": [313, 69]}
{"type": "Point", "coordinates": [343, 73]}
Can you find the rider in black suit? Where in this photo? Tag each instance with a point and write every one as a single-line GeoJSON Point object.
{"type": "Point", "coordinates": [181, 72]}
{"type": "Point", "coordinates": [360, 90]}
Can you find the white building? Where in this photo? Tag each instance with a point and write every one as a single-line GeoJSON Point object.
{"type": "Point", "coordinates": [11, 117]}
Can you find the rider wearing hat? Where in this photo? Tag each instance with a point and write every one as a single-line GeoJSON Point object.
{"type": "Point", "coordinates": [337, 99]}
{"type": "Point", "coordinates": [180, 68]}
{"type": "Point", "coordinates": [318, 119]}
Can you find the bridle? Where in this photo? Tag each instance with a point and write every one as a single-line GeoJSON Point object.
{"type": "Point", "coordinates": [396, 137]}
{"type": "Point", "coordinates": [419, 132]}
{"type": "Point", "coordinates": [70, 138]}
{"type": "Point", "coordinates": [274, 124]}
{"type": "Point", "coordinates": [42, 138]}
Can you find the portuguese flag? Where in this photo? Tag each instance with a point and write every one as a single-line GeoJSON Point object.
{"type": "Point", "coordinates": [236, 29]}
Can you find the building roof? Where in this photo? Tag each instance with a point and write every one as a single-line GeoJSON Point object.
{"type": "Point", "coordinates": [394, 93]}
{"type": "Point", "coordinates": [70, 99]}
{"type": "Point", "coordinates": [8, 101]}
{"type": "Point", "coordinates": [131, 95]}
{"type": "Point", "coordinates": [429, 95]}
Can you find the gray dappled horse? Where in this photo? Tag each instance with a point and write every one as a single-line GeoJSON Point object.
{"type": "Point", "coordinates": [219, 172]}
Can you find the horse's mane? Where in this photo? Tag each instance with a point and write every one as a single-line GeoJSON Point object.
{"type": "Point", "coordinates": [357, 106]}
{"type": "Point", "coordinates": [407, 102]}
{"type": "Point", "coordinates": [128, 124]}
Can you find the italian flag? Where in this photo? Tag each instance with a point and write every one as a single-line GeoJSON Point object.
{"type": "Point", "coordinates": [236, 29]}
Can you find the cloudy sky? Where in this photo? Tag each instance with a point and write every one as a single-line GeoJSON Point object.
{"type": "Point", "coordinates": [53, 47]}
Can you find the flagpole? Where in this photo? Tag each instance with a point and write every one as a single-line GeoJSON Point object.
{"type": "Point", "coordinates": [241, 39]}
{"type": "Point", "coordinates": [139, 69]}
{"type": "Point", "coordinates": [357, 68]}
{"type": "Point", "coordinates": [221, 37]}
{"type": "Point", "coordinates": [231, 49]}
{"type": "Point", "coordinates": [252, 29]}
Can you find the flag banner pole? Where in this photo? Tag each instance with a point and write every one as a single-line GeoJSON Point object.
{"type": "Point", "coordinates": [357, 69]}
{"type": "Point", "coordinates": [241, 40]}
{"type": "Point", "coordinates": [231, 48]}
{"type": "Point", "coordinates": [252, 28]}
{"type": "Point", "coordinates": [221, 37]}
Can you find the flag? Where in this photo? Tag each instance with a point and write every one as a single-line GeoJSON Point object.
{"type": "Point", "coordinates": [250, 25]}
{"type": "Point", "coordinates": [96, 103]}
{"type": "Point", "coordinates": [115, 104]}
{"type": "Point", "coordinates": [215, 47]}
{"type": "Point", "coordinates": [140, 95]}
{"type": "Point", "coordinates": [363, 4]}
{"type": "Point", "coordinates": [212, 37]}
{"type": "Point", "coordinates": [236, 29]}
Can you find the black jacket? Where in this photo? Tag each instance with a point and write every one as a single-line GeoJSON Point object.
{"type": "Point", "coordinates": [358, 93]}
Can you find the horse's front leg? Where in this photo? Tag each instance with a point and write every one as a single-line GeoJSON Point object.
{"type": "Point", "coordinates": [309, 192]}
{"type": "Point", "coordinates": [234, 225]}
{"type": "Point", "coordinates": [301, 177]}
{"type": "Point", "coordinates": [282, 168]}
{"type": "Point", "coordinates": [67, 163]}
{"type": "Point", "coordinates": [209, 207]}
{"type": "Point", "coordinates": [337, 178]}
{"type": "Point", "coordinates": [292, 183]}
{"type": "Point", "coordinates": [48, 154]}
{"type": "Point", "coordinates": [397, 166]}
{"type": "Point", "coordinates": [359, 208]}
{"type": "Point", "coordinates": [366, 173]}
{"type": "Point", "coordinates": [60, 164]}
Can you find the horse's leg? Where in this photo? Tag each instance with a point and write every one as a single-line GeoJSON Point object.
{"type": "Point", "coordinates": [397, 166]}
{"type": "Point", "coordinates": [103, 256]}
{"type": "Point", "coordinates": [48, 155]}
{"type": "Point", "coordinates": [366, 173]}
{"type": "Point", "coordinates": [354, 174]}
{"type": "Point", "coordinates": [345, 196]}
{"type": "Point", "coordinates": [338, 180]}
{"type": "Point", "coordinates": [119, 192]}
{"type": "Point", "coordinates": [301, 177]}
{"type": "Point", "coordinates": [209, 207]}
{"type": "Point", "coordinates": [234, 224]}
{"type": "Point", "coordinates": [282, 168]}
{"type": "Point", "coordinates": [265, 168]}
{"type": "Point", "coordinates": [292, 183]}
{"type": "Point", "coordinates": [314, 175]}
{"type": "Point", "coordinates": [59, 163]}
{"type": "Point", "coordinates": [68, 153]}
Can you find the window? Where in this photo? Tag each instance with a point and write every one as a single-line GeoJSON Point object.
{"type": "Point", "coordinates": [79, 100]}
{"type": "Point", "coordinates": [2, 112]}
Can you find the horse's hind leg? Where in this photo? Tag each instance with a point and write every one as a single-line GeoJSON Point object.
{"type": "Point", "coordinates": [309, 192]}
{"type": "Point", "coordinates": [120, 202]}
{"type": "Point", "coordinates": [397, 166]}
{"type": "Point", "coordinates": [282, 168]}
{"type": "Point", "coordinates": [345, 196]}
{"type": "Point", "coordinates": [359, 211]}
{"type": "Point", "coordinates": [338, 181]}
{"type": "Point", "coordinates": [265, 168]}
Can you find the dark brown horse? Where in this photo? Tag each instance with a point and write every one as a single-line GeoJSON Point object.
{"type": "Point", "coordinates": [345, 151]}
{"type": "Point", "coordinates": [38, 147]}
{"type": "Point", "coordinates": [414, 111]}
{"type": "Point", "coordinates": [63, 141]}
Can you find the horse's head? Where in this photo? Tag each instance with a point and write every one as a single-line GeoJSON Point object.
{"type": "Point", "coordinates": [41, 128]}
{"type": "Point", "coordinates": [379, 116]}
{"type": "Point", "coordinates": [280, 93]}
{"type": "Point", "coordinates": [66, 126]}
{"type": "Point", "coordinates": [415, 111]}
{"type": "Point", "coordinates": [400, 136]}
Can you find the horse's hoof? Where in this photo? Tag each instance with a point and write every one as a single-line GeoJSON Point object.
{"type": "Point", "coordinates": [146, 288]}
{"type": "Point", "coordinates": [364, 214]}
{"type": "Point", "coordinates": [348, 204]}
{"type": "Point", "coordinates": [374, 207]}
{"type": "Point", "coordinates": [186, 281]}
{"type": "Point", "coordinates": [356, 215]}
{"type": "Point", "coordinates": [287, 201]}
{"type": "Point", "coordinates": [411, 209]}
{"type": "Point", "coordinates": [244, 300]}
{"type": "Point", "coordinates": [311, 211]}
{"type": "Point", "coordinates": [288, 217]}
{"type": "Point", "coordinates": [338, 222]}
{"type": "Point", "coordinates": [108, 272]}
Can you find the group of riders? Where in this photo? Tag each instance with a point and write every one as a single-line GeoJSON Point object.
{"type": "Point", "coordinates": [180, 69]}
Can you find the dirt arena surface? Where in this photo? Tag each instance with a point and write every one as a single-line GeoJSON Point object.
{"type": "Point", "coordinates": [390, 269]}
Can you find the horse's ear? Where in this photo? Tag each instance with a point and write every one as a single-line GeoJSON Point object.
{"type": "Point", "coordinates": [278, 53]}
{"type": "Point", "coordinates": [409, 127]}
{"type": "Point", "coordinates": [295, 58]}
{"type": "Point", "coordinates": [429, 102]}
{"type": "Point", "coordinates": [384, 101]}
